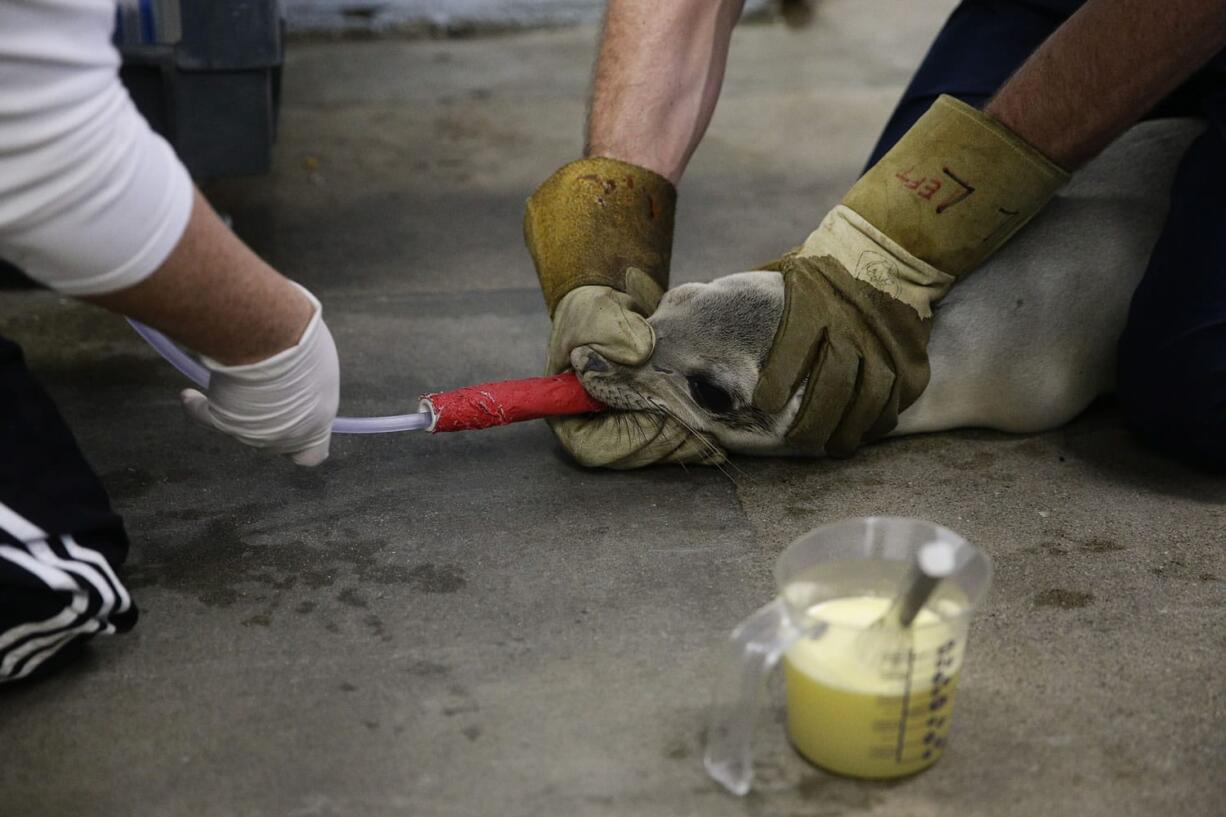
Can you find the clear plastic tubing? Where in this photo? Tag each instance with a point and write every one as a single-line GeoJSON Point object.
{"type": "Point", "coordinates": [199, 375]}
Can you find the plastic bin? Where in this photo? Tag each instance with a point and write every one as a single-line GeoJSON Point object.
{"type": "Point", "coordinates": [207, 75]}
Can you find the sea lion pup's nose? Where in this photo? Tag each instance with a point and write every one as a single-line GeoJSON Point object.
{"type": "Point", "coordinates": [585, 360]}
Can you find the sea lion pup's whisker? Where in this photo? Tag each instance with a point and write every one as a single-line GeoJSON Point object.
{"type": "Point", "coordinates": [689, 429]}
{"type": "Point", "coordinates": [710, 447]}
{"type": "Point", "coordinates": [642, 432]}
{"type": "Point", "coordinates": [633, 428]}
{"type": "Point", "coordinates": [619, 425]}
{"type": "Point", "coordinates": [663, 413]}
{"type": "Point", "coordinates": [702, 438]}
{"type": "Point", "coordinates": [660, 418]}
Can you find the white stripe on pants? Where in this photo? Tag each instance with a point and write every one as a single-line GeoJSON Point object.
{"type": "Point", "coordinates": [81, 582]}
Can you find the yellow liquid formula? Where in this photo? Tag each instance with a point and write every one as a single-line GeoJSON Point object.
{"type": "Point", "coordinates": [860, 720]}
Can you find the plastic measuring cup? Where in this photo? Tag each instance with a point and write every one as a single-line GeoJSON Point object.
{"type": "Point", "coordinates": [859, 712]}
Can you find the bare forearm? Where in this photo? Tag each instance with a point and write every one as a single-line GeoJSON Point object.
{"type": "Point", "coordinates": [1103, 69]}
{"type": "Point", "coordinates": [216, 296]}
{"type": "Point", "coordinates": [657, 79]}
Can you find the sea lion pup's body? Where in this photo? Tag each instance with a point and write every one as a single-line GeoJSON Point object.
{"type": "Point", "coordinates": [1023, 344]}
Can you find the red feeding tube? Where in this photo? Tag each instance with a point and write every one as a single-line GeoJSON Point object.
{"type": "Point", "coordinates": [509, 401]}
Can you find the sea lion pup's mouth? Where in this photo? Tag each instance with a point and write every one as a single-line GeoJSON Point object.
{"type": "Point", "coordinates": [646, 389]}
{"type": "Point", "coordinates": [618, 398]}
{"type": "Point", "coordinates": [699, 400]}
{"type": "Point", "coordinates": [636, 394]}
{"type": "Point", "coordinates": [610, 383]}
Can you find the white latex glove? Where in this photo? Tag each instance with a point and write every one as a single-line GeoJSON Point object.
{"type": "Point", "coordinates": [285, 404]}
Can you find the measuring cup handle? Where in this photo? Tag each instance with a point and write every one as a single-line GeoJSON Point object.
{"type": "Point", "coordinates": [752, 652]}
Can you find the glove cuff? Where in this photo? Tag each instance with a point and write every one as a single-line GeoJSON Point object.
{"type": "Point", "coordinates": [593, 220]}
{"type": "Point", "coordinates": [955, 188]}
{"type": "Point", "coordinates": [871, 256]}
{"type": "Point", "coordinates": [282, 362]}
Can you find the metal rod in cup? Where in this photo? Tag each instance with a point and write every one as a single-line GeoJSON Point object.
{"type": "Point", "coordinates": [934, 562]}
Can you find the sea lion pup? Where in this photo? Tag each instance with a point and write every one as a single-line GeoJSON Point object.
{"type": "Point", "coordinates": [1022, 345]}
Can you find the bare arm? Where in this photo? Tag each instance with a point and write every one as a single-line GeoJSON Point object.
{"type": "Point", "coordinates": [1103, 69]}
{"type": "Point", "coordinates": [657, 79]}
{"type": "Point", "coordinates": [216, 296]}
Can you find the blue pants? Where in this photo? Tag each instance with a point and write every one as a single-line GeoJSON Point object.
{"type": "Point", "coordinates": [1172, 355]}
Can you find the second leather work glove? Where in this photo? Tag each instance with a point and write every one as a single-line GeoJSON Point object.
{"type": "Point", "coordinates": [859, 291]}
{"type": "Point", "coordinates": [600, 232]}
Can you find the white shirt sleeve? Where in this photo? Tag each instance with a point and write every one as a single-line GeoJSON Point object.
{"type": "Point", "coordinates": [91, 199]}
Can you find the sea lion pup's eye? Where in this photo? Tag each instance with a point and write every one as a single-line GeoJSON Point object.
{"type": "Point", "coordinates": [708, 395]}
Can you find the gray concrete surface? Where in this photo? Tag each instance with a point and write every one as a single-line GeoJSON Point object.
{"type": "Point", "coordinates": [469, 625]}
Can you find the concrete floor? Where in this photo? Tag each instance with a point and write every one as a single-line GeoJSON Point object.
{"type": "Point", "coordinates": [470, 625]}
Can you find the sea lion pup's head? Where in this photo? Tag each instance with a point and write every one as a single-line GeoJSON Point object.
{"type": "Point", "coordinates": [711, 343]}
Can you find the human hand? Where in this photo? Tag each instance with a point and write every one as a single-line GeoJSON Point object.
{"type": "Point", "coordinates": [860, 356]}
{"type": "Point", "coordinates": [600, 234]}
{"type": "Point", "coordinates": [859, 291]}
{"type": "Point", "coordinates": [285, 403]}
{"type": "Point", "coordinates": [612, 324]}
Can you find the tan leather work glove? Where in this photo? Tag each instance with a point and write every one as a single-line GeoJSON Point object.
{"type": "Point", "coordinates": [860, 290]}
{"type": "Point", "coordinates": [600, 233]}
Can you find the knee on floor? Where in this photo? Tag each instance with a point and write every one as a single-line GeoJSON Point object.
{"type": "Point", "coordinates": [55, 593]}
